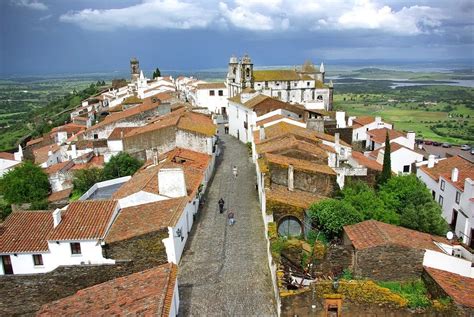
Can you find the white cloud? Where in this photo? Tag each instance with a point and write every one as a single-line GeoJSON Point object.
{"type": "Point", "coordinates": [265, 15]}
{"type": "Point", "coordinates": [30, 4]}
{"type": "Point", "coordinates": [46, 17]}
{"type": "Point", "coordinates": [159, 14]}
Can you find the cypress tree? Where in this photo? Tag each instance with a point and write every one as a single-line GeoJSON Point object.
{"type": "Point", "coordinates": [387, 164]}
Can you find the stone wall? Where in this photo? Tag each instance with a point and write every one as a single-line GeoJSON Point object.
{"type": "Point", "coordinates": [389, 263]}
{"type": "Point", "coordinates": [318, 183]}
{"type": "Point", "coordinates": [163, 139]}
{"type": "Point", "coordinates": [336, 259]}
{"type": "Point", "coordinates": [345, 134]}
{"type": "Point", "coordinates": [25, 294]}
{"type": "Point", "coordinates": [146, 250]}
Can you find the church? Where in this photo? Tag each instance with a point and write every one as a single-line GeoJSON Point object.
{"type": "Point", "coordinates": [304, 85]}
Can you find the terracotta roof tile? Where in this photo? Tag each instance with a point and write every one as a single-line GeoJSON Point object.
{"type": "Point", "coordinates": [70, 128]}
{"type": "Point", "coordinates": [459, 288]}
{"type": "Point", "coordinates": [296, 198]}
{"type": "Point", "coordinates": [41, 154]}
{"type": "Point", "coordinates": [379, 135]}
{"type": "Point", "coordinates": [34, 141]}
{"type": "Point", "coordinates": [288, 142]}
{"type": "Point", "coordinates": [142, 219]}
{"type": "Point", "coordinates": [211, 86]}
{"type": "Point", "coordinates": [445, 167]}
{"type": "Point", "coordinates": [276, 75]}
{"type": "Point", "coordinates": [60, 195]}
{"type": "Point", "coordinates": [119, 133]}
{"type": "Point", "coordinates": [146, 293]}
{"type": "Point", "coordinates": [84, 220]}
{"type": "Point", "coordinates": [26, 231]}
{"type": "Point", "coordinates": [365, 161]}
{"type": "Point", "coordinates": [363, 120]}
{"type": "Point", "coordinates": [7, 156]}
{"type": "Point", "coordinates": [63, 166]}
{"type": "Point", "coordinates": [372, 233]}
{"type": "Point", "coordinates": [299, 164]}
{"type": "Point", "coordinates": [187, 157]}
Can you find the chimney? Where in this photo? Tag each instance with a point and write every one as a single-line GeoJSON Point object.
{"type": "Point", "coordinates": [291, 185]}
{"type": "Point", "coordinates": [336, 139]}
{"type": "Point", "coordinates": [262, 133]}
{"type": "Point", "coordinates": [56, 217]}
{"type": "Point", "coordinates": [431, 161]}
{"type": "Point", "coordinates": [411, 139]}
{"type": "Point", "coordinates": [121, 133]}
{"type": "Point", "coordinates": [454, 174]}
{"type": "Point", "coordinates": [155, 156]}
{"type": "Point", "coordinates": [171, 182]}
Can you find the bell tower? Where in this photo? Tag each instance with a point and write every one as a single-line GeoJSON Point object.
{"type": "Point", "coordinates": [134, 69]}
{"type": "Point", "coordinates": [247, 71]}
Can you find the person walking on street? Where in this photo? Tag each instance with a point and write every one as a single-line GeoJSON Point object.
{"type": "Point", "coordinates": [231, 218]}
{"type": "Point", "coordinates": [221, 205]}
{"type": "Point", "coordinates": [234, 171]}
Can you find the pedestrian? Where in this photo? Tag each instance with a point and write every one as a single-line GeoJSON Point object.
{"type": "Point", "coordinates": [221, 205]}
{"type": "Point", "coordinates": [231, 218]}
{"type": "Point", "coordinates": [234, 171]}
{"type": "Point", "coordinates": [226, 128]}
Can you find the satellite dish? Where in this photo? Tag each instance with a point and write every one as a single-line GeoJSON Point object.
{"type": "Point", "coordinates": [449, 235]}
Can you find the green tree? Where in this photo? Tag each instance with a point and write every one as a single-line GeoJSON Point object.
{"type": "Point", "coordinates": [387, 165]}
{"type": "Point", "coordinates": [331, 215]}
{"type": "Point", "coordinates": [26, 183]}
{"type": "Point", "coordinates": [412, 201]}
{"type": "Point", "coordinates": [85, 178]}
{"type": "Point", "coordinates": [156, 73]}
{"type": "Point", "coordinates": [366, 200]}
{"type": "Point", "coordinates": [122, 164]}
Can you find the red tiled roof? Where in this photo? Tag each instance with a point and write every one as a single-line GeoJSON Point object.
{"type": "Point", "coordinates": [372, 233]}
{"type": "Point", "coordinates": [187, 157]}
{"type": "Point", "coordinates": [142, 219]}
{"type": "Point", "coordinates": [7, 156]}
{"type": "Point", "coordinates": [60, 195]}
{"type": "Point", "coordinates": [379, 135]}
{"type": "Point", "coordinates": [299, 164]}
{"type": "Point", "coordinates": [26, 231]}
{"type": "Point", "coordinates": [288, 142]}
{"type": "Point", "coordinates": [34, 141]}
{"type": "Point", "coordinates": [70, 128]}
{"type": "Point", "coordinates": [41, 154]}
{"type": "Point", "coordinates": [119, 133]}
{"type": "Point", "coordinates": [363, 120]}
{"type": "Point", "coordinates": [296, 198]}
{"type": "Point", "coordinates": [211, 86]}
{"type": "Point", "coordinates": [445, 167]}
{"type": "Point", "coordinates": [365, 161]}
{"type": "Point", "coordinates": [146, 293]}
{"type": "Point", "coordinates": [59, 167]}
{"type": "Point", "coordinates": [84, 220]}
{"type": "Point", "coordinates": [459, 288]}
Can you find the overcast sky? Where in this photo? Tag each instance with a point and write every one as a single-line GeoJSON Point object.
{"type": "Point", "coordinates": [60, 36]}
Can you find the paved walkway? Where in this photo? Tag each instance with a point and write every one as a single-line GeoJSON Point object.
{"type": "Point", "coordinates": [224, 270]}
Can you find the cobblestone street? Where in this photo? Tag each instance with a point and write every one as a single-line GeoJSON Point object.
{"type": "Point", "coordinates": [224, 270]}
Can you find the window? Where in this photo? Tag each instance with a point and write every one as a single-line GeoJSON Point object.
{"type": "Point", "coordinates": [443, 183]}
{"type": "Point", "coordinates": [319, 98]}
{"type": "Point", "coordinates": [75, 248]}
{"type": "Point", "coordinates": [406, 169]}
{"type": "Point", "coordinates": [440, 200]}
{"type": "Point", "coordinates": [38, 259]}
{"type": "Point", "coordinates": [295, 84]}
{"type": "Point", "coordinates": [458, 197]}
{"type": "Point", "coordinates": [221, 93]}
{"type": "Point", "coordinates": [290, 227]}
{"type": "Point", "coordinates": [433, 193]}
{"type": "Point", "coordinates": [96, 136]}
{"type": "Point", "coordinates": [211, 92]}
{"type": "Point", "coordinates": [308, 83]}
{"type": "Point", "coordinates": [266, 84]}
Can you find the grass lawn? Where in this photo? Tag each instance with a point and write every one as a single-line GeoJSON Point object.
{"type": "Point", "coordinates": [414, 292]}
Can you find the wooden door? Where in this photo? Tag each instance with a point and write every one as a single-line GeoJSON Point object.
{"type": "Point", "coordinates": [7, 264]}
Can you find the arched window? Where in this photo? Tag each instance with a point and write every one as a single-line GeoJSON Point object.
{"type": "Point", "coordinates": [247, 72]}
{"type": "Point", "coordinates": [290, 227]}
{"type": "Point", "coordinates": [319, 98]}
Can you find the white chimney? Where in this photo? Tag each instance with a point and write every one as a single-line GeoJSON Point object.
{"type": "Point", "coordinates": [74, 151]}
{"type": "Point", "coordinates": [155, 156]}
{"type": "Point", "coordinates": [337, 146]}
{"type": "Point", "coordinates": [454, 174]}
{"type": "Point", "coordinates": [341, 119]}
{"type": "Point", "coordinates": [411, 139]}
{"type": "Point", "coordinates": [291, 185]}
{"type": "Point", "coordinates": [262, 133]}
{"type": "Point", "coordinates": [56, 217]}
{"type": "Point", "coordinates": [171, 182]}
{"type": "Point", "coordinates": [431, 161]}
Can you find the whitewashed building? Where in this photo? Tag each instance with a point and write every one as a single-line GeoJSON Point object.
{"type": "Point", "coordinates": [451, 182]}
{"type": "Point", "coordinates": [212, 96]}
{"type": "Point", "coordinates": [376, 138]}
{"type": "Point", "coordinates": [7, 162]}
{"type": "Point", "coordinates": [403, 160]}
{"type": "Point", "coordinates": [304, 85]}
{"type": "Point", "coordinates": [360, 126]}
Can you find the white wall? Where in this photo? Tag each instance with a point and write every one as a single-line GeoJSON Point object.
{"type": "Point", "coordinates": [237, 116]}
{"type": "Point", "coordinates": [174, 302]}
{"type": "Point", "coordinates": [194, 141]}
{"type": "Point", "coordinates": [213, 103]}
{"type": "Point", "coordinates": [140, 198]}
{"type": "Point", "coordinates": [91, 253]}
{"type": "Point", "coordinates": [445, 262]}
{"type": "Point", "coordinates": [6, 165]}
{"type": "Point", "coordinates": [400, 158]}
{"type": "Point", "coordinates": [23, 263]}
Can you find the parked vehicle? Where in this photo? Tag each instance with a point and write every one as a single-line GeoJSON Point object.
{"type": "Point", "coordinates": [428, 142]}
{"type": "Point", "coordinates": [472, 151]}
{"type": "Point", "coordinates": [436, 143]}
{"type": "Point", "coordinates": [446, 145]}
{"type": "Point", "coordinates": [465, 147]}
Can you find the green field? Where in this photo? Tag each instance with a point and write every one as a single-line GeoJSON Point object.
{"type": "Point", "coordinates": [439, 113]}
